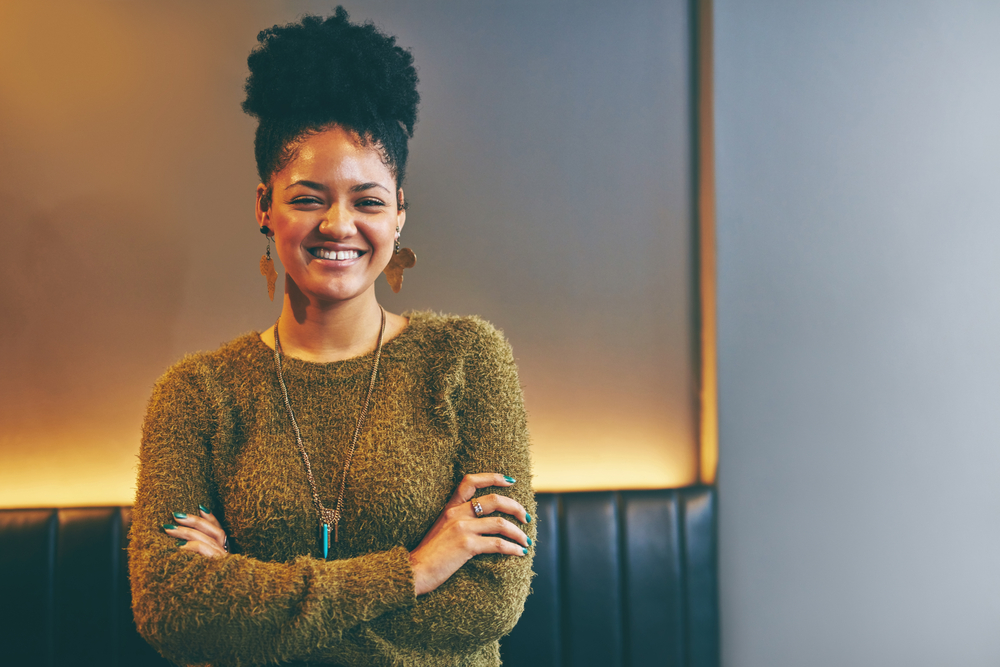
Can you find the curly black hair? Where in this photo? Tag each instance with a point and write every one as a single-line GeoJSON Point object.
{"type": "Point", "coordinates": [308, 76]}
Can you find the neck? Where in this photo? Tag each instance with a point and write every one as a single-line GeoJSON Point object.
{"type": "Point", "coordinates": [324, 332]}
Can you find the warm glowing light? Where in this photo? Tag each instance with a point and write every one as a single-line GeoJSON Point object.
{"type": "Point", "coordinates": [72, 470]}
{"type": "Point", "coordinates": [709, 394]}
{"type": "Point", "coordinates": [609, 422]}
{"type": "Point", "coordinates": [590, 457]}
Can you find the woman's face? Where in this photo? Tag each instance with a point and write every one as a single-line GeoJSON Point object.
{"type": "Point", "coordinates": [333, 214]}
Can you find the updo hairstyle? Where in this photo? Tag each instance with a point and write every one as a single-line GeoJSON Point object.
{"type": "Point", "coordinates": [308, 76]}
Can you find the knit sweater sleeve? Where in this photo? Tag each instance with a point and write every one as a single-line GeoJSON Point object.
{"type": "Point", "coordinates": [483, 600]}
{"type": "Point", "coordinates": [234, 610]}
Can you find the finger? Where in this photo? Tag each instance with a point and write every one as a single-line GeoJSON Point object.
{"type": "Point", "coordinates": [471, 483]}
{"type": "Point", "coordinates": [203, 548]}
{"type": "Point", "coordinates": [207, 514]}
{"type": "Point", "coordinates": [211, 531]}
{"type": "Point", "coordinates": [189, 534]}
{"type": "Point", "coordinates": [496, 525]}
{"type": "Point", "coordinates": [204, 522]}
{"type": "Point", "coordinates": [210, 528]}
{"type": "Point", "coordinates": [498, 545]}
{"type": "Point", "coordinates": [494, 502]}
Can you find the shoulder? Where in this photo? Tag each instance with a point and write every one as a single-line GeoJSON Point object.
{"type": "Point", "coordinates": [463, 334]}
{"type": "Point", "coordinates": [197, 371]}
{"type": "Point", "coordinates": [468, 350]}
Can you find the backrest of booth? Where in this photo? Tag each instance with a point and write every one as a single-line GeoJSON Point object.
{"type": "Point", "coordinates": [624, 578]}
{"type": "Point", "coordinates": [64, 592]}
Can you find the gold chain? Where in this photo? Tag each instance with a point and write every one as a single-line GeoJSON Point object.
{"type": "Point", "coordinates": [328, 516]}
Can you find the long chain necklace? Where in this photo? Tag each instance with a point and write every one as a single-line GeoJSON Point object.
{"type": "Point", "coordinates": [328, 516]}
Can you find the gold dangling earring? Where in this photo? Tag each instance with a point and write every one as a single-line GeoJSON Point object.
{"type": "Point", "coordinates": [267, 265]}
{"type": "Point", "coordinates": [401, 259]}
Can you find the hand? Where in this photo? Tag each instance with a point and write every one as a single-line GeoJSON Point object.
{"type": "Point", "coordinates": [458, 534]}
{"type": "Point", "coordinates": [201, 534]}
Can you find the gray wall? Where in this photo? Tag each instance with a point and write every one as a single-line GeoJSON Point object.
{"type": "Point", "coordinates": [858, 156]}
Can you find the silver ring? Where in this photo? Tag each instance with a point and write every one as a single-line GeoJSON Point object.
{"type": "Point", "coordinates": [225, 545]}
{"type": "Point", "coordinates": [477, 509]}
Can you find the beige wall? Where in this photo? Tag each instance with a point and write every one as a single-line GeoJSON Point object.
{"type": "Point", "coordinates": [550, 189]}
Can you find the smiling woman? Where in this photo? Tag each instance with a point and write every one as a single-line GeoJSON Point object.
{"type": "Point", "coordinates": [349, 486]}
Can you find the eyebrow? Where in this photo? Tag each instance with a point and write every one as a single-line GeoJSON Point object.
{"type": "Point", "coordinates": [360, 187]}
{"type": "Point", "coordinates": [309, 184]}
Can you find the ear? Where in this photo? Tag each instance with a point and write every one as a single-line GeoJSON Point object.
{"type": "Point", "coordinates": [263, 207]}
{"type": "Point", "coordinates": [400, 209]}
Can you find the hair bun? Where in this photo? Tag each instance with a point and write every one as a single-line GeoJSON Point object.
{"type": "Point", "coordinates": [329, 68]}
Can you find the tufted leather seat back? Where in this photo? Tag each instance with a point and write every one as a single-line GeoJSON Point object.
{"type": "Point", "coordinates": [64, 592]}
{"type": "Point", "coordinates": [624, 579]}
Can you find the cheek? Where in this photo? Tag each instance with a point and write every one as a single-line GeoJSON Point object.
{"type": "Point", "coordinates": [288, 247]}
{"type": "Point", "coordinates": [384, 252]}
{"type": "Point", "coordinates": [382, 238]}
{"type": "Point", "coordinates": [292, 229]}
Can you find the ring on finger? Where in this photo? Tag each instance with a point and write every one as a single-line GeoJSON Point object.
{"type": "Point", "coordinates": [477, 509]}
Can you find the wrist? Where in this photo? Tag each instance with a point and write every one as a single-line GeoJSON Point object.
{"type": "Point", "coordinates": [419, 579]}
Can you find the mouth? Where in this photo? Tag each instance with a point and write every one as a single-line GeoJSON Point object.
{"type": "Point", "coordinates": [337, 255]}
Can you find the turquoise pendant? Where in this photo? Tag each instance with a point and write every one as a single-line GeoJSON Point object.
{"type": "Point", "coordinates": [324, 538]}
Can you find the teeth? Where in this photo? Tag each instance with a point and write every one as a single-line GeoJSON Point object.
{"type": "Point", "coordinates": [323, 253]}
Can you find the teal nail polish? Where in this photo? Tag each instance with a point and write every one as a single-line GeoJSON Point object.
{"type": "Point", "coordinates": [529, 541]}
{"type": "Point", "coordinates": [527, 518]}
{"type": "Point", "coordinates": [169, 526]}
{"type": "Point", "coordinates": [509, 479]}
{"type": "Point", "coordinates": [524, 552]}
{"type": "Point", "coordinates": [180, 515]}
{"type": "Point", "coordinates": [181, 543]}
{"type": "Point", "coordinates": [204, 509]}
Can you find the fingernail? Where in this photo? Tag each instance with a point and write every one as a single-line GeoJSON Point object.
{"type": "Point", "coordinates": [181, 543]}
{"type": "Point", "coordinates": [204, 509]}
{"type": "Point", "coordinates": [527, 518]}
{"type": "Point", "coordinates": [510, 480]}
{"type": "Point", "coordinates": [529, 541]}
{"type": "Point", "coordinates": [524, 552]}
{"type": "Point", "coordinates": [180, 515]}
{"type": "Point", "coordinates": [169, 526]}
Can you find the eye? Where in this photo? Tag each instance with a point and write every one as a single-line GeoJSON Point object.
{"type": "Point", "coordinates": [370, 202]}
{"type": "Point", "coordinates": [306, 201]}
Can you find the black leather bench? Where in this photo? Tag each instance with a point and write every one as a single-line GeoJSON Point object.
{"type": "Point", "coordinates": [624, 579]}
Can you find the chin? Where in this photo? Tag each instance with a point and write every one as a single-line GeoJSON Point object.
{"type": "Point", "coordinates": [331, 289]}
{"type": "Point", "coordinates": [339, 293]}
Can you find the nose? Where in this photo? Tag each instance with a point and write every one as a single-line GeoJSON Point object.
{"type": "Point", "coordinates": [338, 223]}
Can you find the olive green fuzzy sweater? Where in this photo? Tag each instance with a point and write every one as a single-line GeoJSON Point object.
{"type": "Point", "coordinates": [447, 402]}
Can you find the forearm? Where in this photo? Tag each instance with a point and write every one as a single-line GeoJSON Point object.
{"type": "Point", "coordinates": [477, 605]}
{"type": "Point", "coordinates": [238, 610]}
{"type": "Point", "coordinates": [482, 600]}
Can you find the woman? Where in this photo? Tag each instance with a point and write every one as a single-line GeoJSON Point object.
{"type": "Point", "coordinates": [350, 486]}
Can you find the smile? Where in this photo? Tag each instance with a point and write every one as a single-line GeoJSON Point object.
{"type": "Point", "coordinates": [323, 253]}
